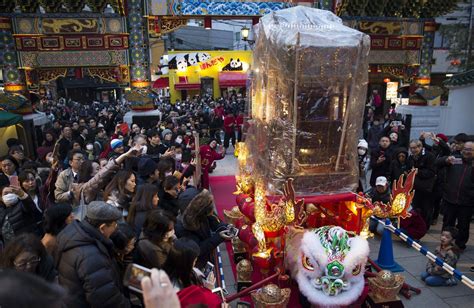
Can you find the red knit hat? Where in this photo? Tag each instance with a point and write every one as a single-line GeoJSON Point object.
{"type": "Point", "coordinates": [443, 137]}
{"type": "Point", "coordinates": [193, 295]}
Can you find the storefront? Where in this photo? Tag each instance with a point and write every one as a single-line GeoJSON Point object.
{"type": "Point", "coordinates": [214, 73]}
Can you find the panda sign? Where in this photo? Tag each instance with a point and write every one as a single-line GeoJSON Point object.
{"type": "Point", "coordinates": [189, 70]}
{"type": "Point", "coordinates": [181, 61]}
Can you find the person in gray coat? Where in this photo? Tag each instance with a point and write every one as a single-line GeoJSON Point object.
{"type": "Point", "coordinates": [85, 259]}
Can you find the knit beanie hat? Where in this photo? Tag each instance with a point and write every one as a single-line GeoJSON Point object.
{"type": "Point", "coordinates": [442, 137]}
{"type": "Point", "coordinates": [116, 143]}
{"type": "Point", "coordinates": [166, 132]}
{"type": "Point", "coordinates": [363, 144]}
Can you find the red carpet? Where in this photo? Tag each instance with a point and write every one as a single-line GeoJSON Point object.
{"type": "Point", "coordinates": [222, 187]}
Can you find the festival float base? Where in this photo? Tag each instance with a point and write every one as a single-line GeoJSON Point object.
{"type": "Point", "coordinates": [296, 208]}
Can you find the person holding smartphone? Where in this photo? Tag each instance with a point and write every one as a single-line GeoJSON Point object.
{"type": "Point", "coordinates": [200, 224]}
{"type": "Point", "coordinates": [181, 266]}
{"type": "Point", "coordinates": [19, 210]}
{"type": "Point", "coordinates": [208, 157]}
{"type": "Point", "coordinates": [380, 160]}
{"type": "Point", "coordinates": [458, 193]}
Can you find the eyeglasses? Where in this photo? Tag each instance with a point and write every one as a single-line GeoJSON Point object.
{"type": "Point", "coordinates": [27, 264]}
{"type": "Point", "coordinates": [78, 159]}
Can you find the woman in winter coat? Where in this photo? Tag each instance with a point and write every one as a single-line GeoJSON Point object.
{"type": "Point", "coordinates": [200, 224]}
{"type": "Point", "coordinates": [17, 214]}
{"type": "Point", "coordinates": [400, 165]}
{"type": "Point", "coordinates": [28, 183]}
{"type": "Point", "coordinates": [47, 146]}
{"type": "Point", "coordinates": [56, 218]}
{"type": "Point", "coordinates": [25, 253]}
{"type": "Point", "coordinates": [156, 239]}
{"type": "Point", "coordinates": [120, 190]}
{"type": "Point", "coordinates": [180, 266]}
{"type": "Point", "coordinates": [362, 149]}
{"type": "Point", "coordinates": [169, 201]}
{"type": "Point", "coordinates": [145, 200]}
{"type": "Point", "coordinates": [90, 188]}
{"type": "Point", "coordinates": [124, 243]}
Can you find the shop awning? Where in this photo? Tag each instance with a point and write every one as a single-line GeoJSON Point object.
{"type": "Point", "coordinates": [161, 83]}
{"type": "Point", "coordinates": [39, 118]}
{"type": "Point", "coordinates": [232, 79]}
{"type": "Point", "coordinates": [187, 86]}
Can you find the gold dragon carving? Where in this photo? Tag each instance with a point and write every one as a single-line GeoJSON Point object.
{"type": "Point", "coordinates": [167, 24]}
{"type": "Point", "coordinates": [380, 27]}
{"type": "Point", "coordinates": [68, 25]}
{"type": "Point", "coordinates": [103, 73]}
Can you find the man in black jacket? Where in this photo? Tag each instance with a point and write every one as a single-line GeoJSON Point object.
{"type": "Point", "coordinates": [458, 193]}
{"type": "Point", "coordinates": [425, 178]}
{"type": "Point", "coordinates": [380, 160]}
{"type": "Point", "coordinates": [190, 189]}
{"type": "Point", "coordinates": [85, 262]}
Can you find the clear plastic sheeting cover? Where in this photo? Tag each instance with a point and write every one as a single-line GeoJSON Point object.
{"type": "Point", "coordinates": [308, 91]}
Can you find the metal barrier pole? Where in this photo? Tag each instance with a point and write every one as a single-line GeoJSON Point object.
{"type": "Point", "coordinates": [424, 251]}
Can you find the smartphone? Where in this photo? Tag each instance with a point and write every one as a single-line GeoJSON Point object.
{"type": "Point", "coordinates": [209, 268]}
{"type": "Point", "coordinates": [14, 181]}
{"type": "Point", "coordinates": [233, 231]}
{"type": "Point", "coordinates": [397, 123]}
{"type": "Point", "coordinates": [221, 292]}
{"type": "Point", "coordinates": [456, 161]}
{"type": "Point", "coordinates": [134, 275]}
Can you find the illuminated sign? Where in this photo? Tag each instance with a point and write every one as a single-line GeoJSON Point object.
{"type": "Point", "coordinates": [392, 88]}
{"type": "Point", "coordinates": [212, 62]}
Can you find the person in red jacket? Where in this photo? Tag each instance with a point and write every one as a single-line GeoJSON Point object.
{"type": "Point", "coordinates": [219, 111]}
{"type": "Point", "coordinates": [229, 130]}
{"type": "Point", "coordinates": [208, 156]}
{"type": "Point", "coordinates": [414, 226]}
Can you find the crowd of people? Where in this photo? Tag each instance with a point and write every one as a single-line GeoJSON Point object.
{"type": "Point", "coordinates": [100, 195]}
{"type": "Point", "coordinates": [443, 184]}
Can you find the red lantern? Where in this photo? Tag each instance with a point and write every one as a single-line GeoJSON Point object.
{"type": "Point", "coordinates": [207, 23]}
{"type": "Point", "coordinates": [386, 80]}
{"type": "Point", "coordinates": [455, 62]}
